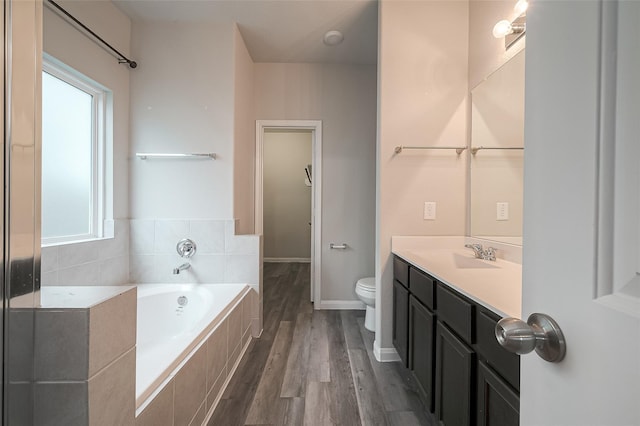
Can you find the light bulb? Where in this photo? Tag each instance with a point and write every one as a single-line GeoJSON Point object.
{"type": "Point", "coordinates": [521, 7]}
{"type": "Point", "coordinates": [502, 28]}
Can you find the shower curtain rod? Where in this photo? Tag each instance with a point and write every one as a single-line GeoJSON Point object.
{"type": "Point", "coordinates": [121, 58]}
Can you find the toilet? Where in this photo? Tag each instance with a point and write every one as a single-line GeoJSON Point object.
{"type": "Point", "coordinates": [366, 291]}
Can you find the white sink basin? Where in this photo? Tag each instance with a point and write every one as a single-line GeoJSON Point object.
{"type": "Point", "coordinates": [468, 262]}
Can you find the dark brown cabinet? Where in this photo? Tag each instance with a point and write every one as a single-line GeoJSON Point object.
{"type": "Point", "coordinates": [448, 342]}
{"type": "Point", "coordinates": [401, 321]}
{"type": "Point", "coordinates": [454, 378]}
{"type": "Point", "coordinates": [421, 348]}
{"type": "Point", "coordinates": [498, 403]}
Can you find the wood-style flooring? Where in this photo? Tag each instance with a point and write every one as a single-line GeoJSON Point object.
{"type": "Point", "coordinates": [315, 367]}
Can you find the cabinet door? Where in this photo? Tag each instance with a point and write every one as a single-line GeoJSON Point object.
{"type": "Point", "coordinates": [421, 348]}
{"type": "Point", "coordinates": [506, 364]}
{"type": "Point", "coordinates": [454, 378]}
{"type": "Point", "coordinates": [498, 404]}
{"type": "Point", "coordinates": [401, 321]}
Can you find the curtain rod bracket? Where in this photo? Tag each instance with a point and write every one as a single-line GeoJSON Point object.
{"type": "Point", "coordinates": [96, 38]}
{"type": "Point", "coordinates": [132, 64]}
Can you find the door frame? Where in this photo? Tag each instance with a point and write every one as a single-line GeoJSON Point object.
{"type": "Point", "coordinates": [315, 126]}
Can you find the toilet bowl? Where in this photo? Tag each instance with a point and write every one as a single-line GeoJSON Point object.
{"type": "Point", "coordinates": [366, 292]}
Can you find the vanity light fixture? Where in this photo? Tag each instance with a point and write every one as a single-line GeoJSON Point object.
{"type": "Point", "coordinates": [512, 30]}
{"type": "Point", "coordinates": [521, 7]}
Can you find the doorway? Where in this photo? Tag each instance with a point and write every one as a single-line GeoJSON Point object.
{"type": "Point", "coordinates": [281, 145]}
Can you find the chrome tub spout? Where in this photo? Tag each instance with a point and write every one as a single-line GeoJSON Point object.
{"type": "Point", "coordinates": [182, 267]}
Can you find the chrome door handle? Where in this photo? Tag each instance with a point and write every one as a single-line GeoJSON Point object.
{"type": "Point", "coordinates": [540, 332]}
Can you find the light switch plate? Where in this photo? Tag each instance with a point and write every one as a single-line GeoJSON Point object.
{"type": "Point", "coordinates": [502, 211]}
{"type": "Point", "coordinates": [429, 210]}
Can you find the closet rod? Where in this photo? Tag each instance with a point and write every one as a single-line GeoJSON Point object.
{"type": "Point", "coordinates": [121, 58]}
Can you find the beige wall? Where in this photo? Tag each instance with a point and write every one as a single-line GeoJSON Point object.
{"type": "Point", "coordinates": [423, 101]}
{"type": "Point", "coordinates": [287, 199]}
{"type": "Point", "coordinates": [244, 137]}
{"type": "Point", "coordinates": [182, 101]}
{"type": "Point", "coordinates": [344, 98]}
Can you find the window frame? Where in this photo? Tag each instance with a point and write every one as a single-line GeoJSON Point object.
{"type": "Point", "coordinates": [100, 96]}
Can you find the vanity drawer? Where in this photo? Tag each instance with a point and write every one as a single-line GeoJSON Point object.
{"type": "Point", "coordinates": [401, 271]}
{"type": "Point", "coordinates": [505, 363]}
{"type": "Point", "coordinates": [423, 287]}
{"type": "Point", "coordinates": [456, 311]}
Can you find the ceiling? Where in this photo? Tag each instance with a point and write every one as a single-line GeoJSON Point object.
{"type": "Point", "coordinates": [279, 30]}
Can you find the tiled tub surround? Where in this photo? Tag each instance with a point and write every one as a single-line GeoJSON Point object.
{"type": "Point", "coordinates": [86, 359]}
{"type": "Point", "coordinates": [85, 356]}
{"type": "Point", "coordinates": [221, 257]}
{"type": "Point", "coordinates": [191, 391]}
{"type": "Point", "coordinates": [172, 320]}
{"type": "Point", "coordinates": [97, 262]}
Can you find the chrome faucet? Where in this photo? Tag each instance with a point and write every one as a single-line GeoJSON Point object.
{"type": "Point", "coordinates": [489, 254]}
{"type": "Point", "coordinates": [477, 249]}
{"type": "Point", "coordinates": [481, 253]}
{"type": "Point", "coordinates": [182, 267]}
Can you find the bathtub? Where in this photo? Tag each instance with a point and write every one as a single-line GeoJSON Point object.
{"type": "Point", "coordinates": [173, 319]}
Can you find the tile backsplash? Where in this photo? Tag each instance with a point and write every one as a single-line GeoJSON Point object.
{"type": "Point", "coordinates": [221, 256]}
{"type": "Point", "coordinates": [144, 251]}
{"type": "Point", "coordinates": [98, 262]}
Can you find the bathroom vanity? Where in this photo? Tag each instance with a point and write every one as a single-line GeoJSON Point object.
{"type": "Point", "coordinates": [446, 305]}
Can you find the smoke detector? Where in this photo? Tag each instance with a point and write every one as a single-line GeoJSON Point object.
{"type": "Point", "coordinates": [333, 38]}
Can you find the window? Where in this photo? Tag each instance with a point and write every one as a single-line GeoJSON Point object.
{"type": "Point", "coordinates": [73, 132]}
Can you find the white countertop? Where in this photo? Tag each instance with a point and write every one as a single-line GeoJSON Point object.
{"type": "Point", "coordinates": [74, 297]}
{"type": "Point", "coordinates": [494, 285]}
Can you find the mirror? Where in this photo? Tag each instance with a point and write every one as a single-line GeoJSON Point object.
{"type": "Point", "coordinates": [497, 154]}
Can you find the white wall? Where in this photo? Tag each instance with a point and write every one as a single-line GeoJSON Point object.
{"type": "Point", "coordinates": [287, 198]}
{"type": "Point", "coordinates": [423, 101]}
{"type": "Point", "coordinates": [344, 98]}
{"type": "Point", "coordinates": [182, 101]}
{"type": "Point", "coordinates": [244, 138]}
{"type": "Point", "coordinates": [107, 261]}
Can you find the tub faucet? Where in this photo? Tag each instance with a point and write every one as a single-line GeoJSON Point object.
{"type": "Point", "coordinates": [182, 267]}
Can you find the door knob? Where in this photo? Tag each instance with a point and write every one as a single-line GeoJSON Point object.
{"type": "Point", "coordinates": [540, 332]}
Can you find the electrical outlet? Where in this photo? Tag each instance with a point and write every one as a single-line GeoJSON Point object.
{"type": "Point", "coordinates": [502, 211]}
{"type": "Point", "coordinates": [429, 210]}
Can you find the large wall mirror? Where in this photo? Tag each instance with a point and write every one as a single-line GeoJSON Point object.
{"type": "Point", "coordinates": [497, 154]}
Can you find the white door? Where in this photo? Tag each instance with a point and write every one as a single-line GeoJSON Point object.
{"type": "Point", "coordinates": [582, 210]}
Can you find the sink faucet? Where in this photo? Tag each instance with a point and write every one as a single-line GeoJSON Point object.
{"type": "Point", "coordinates": [182, 267]}
{"type": "Point", "coordinates": [477, 249]}
{"type": "Point", "coordinates": [489, 254]}
{"type": "Point", "coordinates": [481, 253]}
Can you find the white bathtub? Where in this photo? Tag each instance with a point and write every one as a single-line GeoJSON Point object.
{"type": "Point", "coordinates": [168, 329]}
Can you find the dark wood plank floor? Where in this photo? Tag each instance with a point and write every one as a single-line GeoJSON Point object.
{"type": "Point", "coordinates": [315, 367]}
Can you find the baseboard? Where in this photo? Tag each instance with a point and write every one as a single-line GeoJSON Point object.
{"type": "Point", "coordinates": [287, 260]}
{"type": "Point", "coordinates": [339, 305]}
{"type": "Point", "coordinates": [385, 354]}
